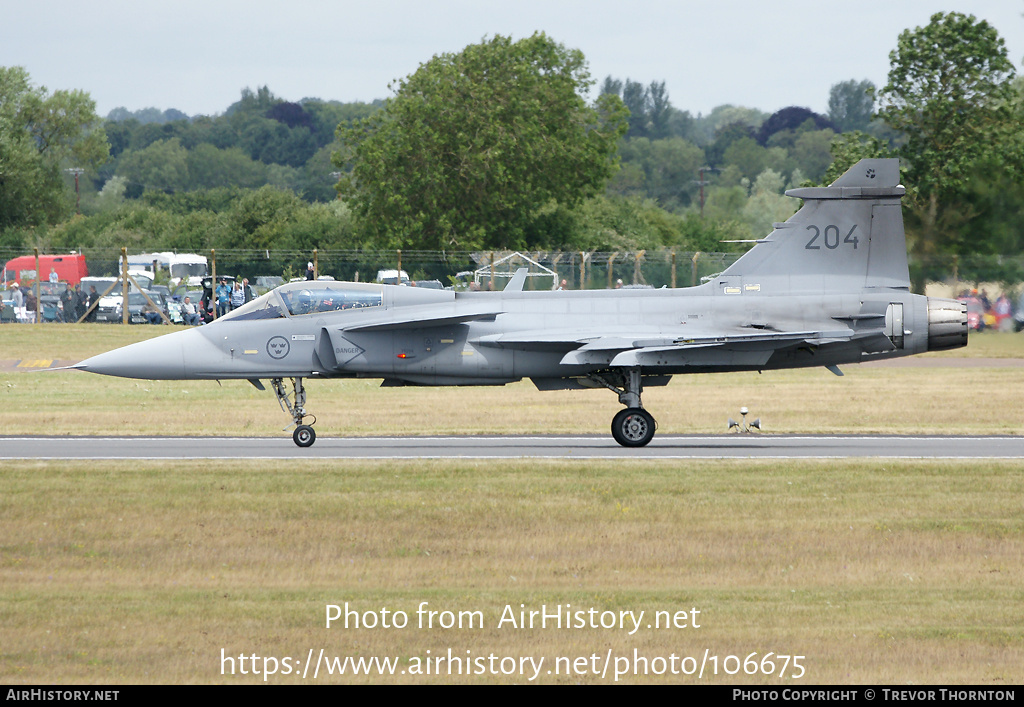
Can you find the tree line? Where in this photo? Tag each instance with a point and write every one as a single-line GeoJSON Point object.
{"type": "Point", "coordinates": [496, 147]}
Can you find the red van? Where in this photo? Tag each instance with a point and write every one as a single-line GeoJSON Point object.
{"type": "Point", "coordinates": [70, 268]}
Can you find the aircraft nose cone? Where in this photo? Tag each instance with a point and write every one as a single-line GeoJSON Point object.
{"type": "Point", "coordinates": [159, 358]}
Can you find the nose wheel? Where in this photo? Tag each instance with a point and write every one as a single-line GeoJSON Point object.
{"type": "Point", "coordinates": [304, 436]}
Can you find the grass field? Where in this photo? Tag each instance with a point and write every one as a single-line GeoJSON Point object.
{"type": "Point", "coordinates": [904, 572]}
{"type": "Point", "coordinates": [954, 400]}
{"type": "Point", "coordinates": [878, 571]}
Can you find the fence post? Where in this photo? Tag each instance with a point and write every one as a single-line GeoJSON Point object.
{"type": "Point", "coordinates": [39, 316]}
{"type": "Point", "coordinates": [124, 287]}
{"type": "Point", "coordinates": [554, 266]}
{"type": "Point", "coordinates": [213, 282]}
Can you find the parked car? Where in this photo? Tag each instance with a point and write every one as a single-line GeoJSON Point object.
{"type": "Point", "coordinates": [393, 277]}
{"type": "Point", "coordinates": [111, 309]}
{"type": "Point", "coordinates": [50, 301]}
{"type": "Point", "coordinates": [7, 314]}
{"type": "Point", "coordinates": [101, 284]}
{"type": "Point", "coordinates": [429, 284]}
{"type": "Point", "coordinates": [266, 283]}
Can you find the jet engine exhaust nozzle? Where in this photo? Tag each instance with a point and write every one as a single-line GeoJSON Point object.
{"type": "Point", "coordinates": [947, 324]}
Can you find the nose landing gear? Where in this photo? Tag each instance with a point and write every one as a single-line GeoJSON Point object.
{"type": "Point", "coordinates": [304, 435]}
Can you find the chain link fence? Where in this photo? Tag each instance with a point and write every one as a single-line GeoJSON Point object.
{"type": "Point", "coordinates": [490, 269]}
{"type": "Point", "coordinates": [547, 269]}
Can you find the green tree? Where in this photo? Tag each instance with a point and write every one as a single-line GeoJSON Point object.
{"type": "Point", "coordinates": [209, 167]}
{"type": "Point", "coordinates": [767, 204]}
{"type": "Point", "coordinates": [949, 93]}
{"type": "Point", "coordinates": [752, 159]}
{"type": "Point", "coordinates": [664, 170]}
{"type": "Point", "coordinates": [111, 196]}
{"type": "Point", "coordinates": [849, 148]}
{"type": "Point", "coordinates": [812, 153]}
{"type": "Point", "coordinates": [709, 128]}
{"type": "Point", "coordinates": [319, 175]}
{"type": "Point", "coordinates": [850, 104]}
{"type": "Point", "coordinates": [724, 139]}
{"type": "Point", "coordinates": [473, 145]}
{"type": "Point", "coordinates": [996, 191]}
{"type": "Point", "coordinates": [651, 115]}
{"type": "Point", "coordinates": [327, 116]}
{"type": "Point", "coordinates": [41, 134]}
{"type": "Point", "coordinates": [634, 97]}
{"type": "Point", "coordinates": [163, 165]}
{"type": "Point", "coordinates": [261, 218]}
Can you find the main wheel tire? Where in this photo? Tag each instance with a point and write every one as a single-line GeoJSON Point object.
{"type": "Point", "coordinates": [304, 436]}
{"type": "Point", "coordinates": [633, 427]}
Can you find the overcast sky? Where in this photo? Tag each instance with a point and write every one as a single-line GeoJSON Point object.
{"type": "Point", "coordinates": [197, 55]}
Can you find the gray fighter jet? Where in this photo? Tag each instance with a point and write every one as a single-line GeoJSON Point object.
{"type": "Point", "coordinates": [829, 286]}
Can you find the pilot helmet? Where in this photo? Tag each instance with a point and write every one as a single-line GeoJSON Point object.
{"type": "Point", "coordinates": [304, 301]}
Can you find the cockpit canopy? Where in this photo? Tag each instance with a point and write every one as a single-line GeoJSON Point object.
{"type": "Point", "coordinates": [309, 297]}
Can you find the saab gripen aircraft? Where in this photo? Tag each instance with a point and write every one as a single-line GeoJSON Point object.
{"type": "Point", "coordinates": [830, 286]}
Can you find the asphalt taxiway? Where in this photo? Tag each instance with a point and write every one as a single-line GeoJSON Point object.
{"type": "Point", "coordinates": [749, 446]}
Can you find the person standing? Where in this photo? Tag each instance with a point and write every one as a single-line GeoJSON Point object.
{"type": "Point", "coordinates": [18, 300]}
{"type": "Point", "coordinates": [81, 301]}
{"type": "Point", "coordinates": [94, 298]}
{"type": "Point", "coordinates": [237, 296]}
{"type": "Point", "coordinates": [223, 298]}
{"type": "Point", "coordinates": [30, 306]}
{"type": "Point", "coordinates": [67, 304]}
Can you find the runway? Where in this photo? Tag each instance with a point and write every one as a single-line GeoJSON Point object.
{"type": "Point", "coordinates": [753, 446]}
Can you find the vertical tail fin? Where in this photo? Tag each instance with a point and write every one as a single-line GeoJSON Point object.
{"type": "Point", "coordinates": [846, 237]}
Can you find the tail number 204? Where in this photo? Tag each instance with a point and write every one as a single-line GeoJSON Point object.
{"type": "Point", "coordinates": [830, 236]}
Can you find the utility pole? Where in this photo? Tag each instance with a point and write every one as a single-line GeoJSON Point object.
{"type": "Point", "coordinates": [701, 182]}
{"type": "Point", "coordinates": [78, 200]}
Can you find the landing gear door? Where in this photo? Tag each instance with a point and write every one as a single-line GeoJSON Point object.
{"type": "Point", "coordinates": [894, 324]}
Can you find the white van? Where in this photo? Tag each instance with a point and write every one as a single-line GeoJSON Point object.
{"type": "Point", "coordinates": [393, 277]}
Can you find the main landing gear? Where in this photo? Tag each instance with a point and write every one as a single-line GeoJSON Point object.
{"type": "Point", "coordinates": [304, 435]}
{"type": "Point", "coordinates": [634, 426]}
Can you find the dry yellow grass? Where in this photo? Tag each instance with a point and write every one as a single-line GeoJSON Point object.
{"type": "Point", "coordinates": [953, 400]}
{"type": "Point", "coordinates": [142, 572]}
{"type": "Point", "coordinates": [877, 573]}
